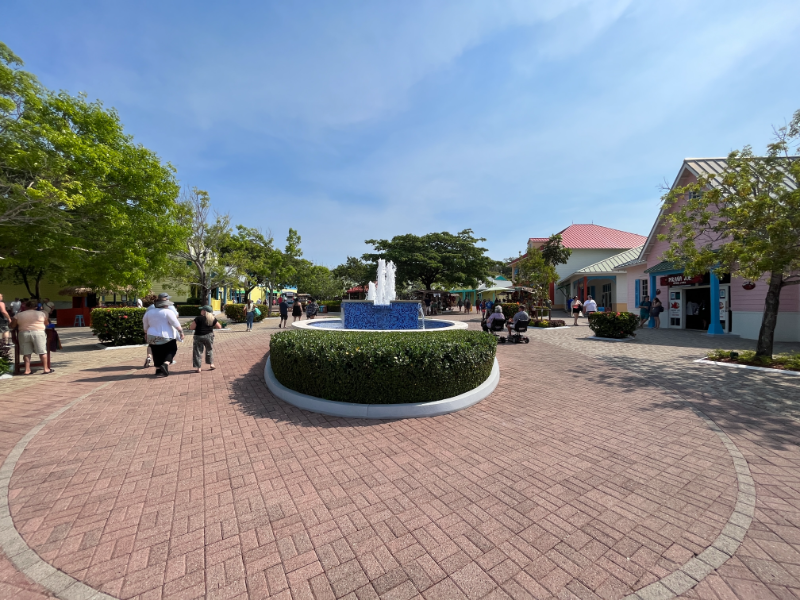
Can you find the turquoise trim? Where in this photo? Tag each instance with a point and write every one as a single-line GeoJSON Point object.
{"type": "Point", "coordinates": [611, 277]}
{"type": "Point", "coordinates": [715, 327]}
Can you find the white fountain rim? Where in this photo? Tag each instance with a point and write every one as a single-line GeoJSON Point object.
{"type": "Point", "coordinates": [308, 325]}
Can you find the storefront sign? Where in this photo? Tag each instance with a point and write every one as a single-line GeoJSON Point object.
{"type": "Point", "coordinates": [680, 279]}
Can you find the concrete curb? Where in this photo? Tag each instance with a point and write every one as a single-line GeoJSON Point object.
{"type": "Point", "coordinates": [16, 549]}
{"type": "Point", "coordinates": [104, 347]}
{"type": "Point", "coordinates": [381, 411]}
{"type": "Point", "coordinates": [716, 363]}
{"type": "Point", "coordinates": [602, 339]}
{"type": "Point", "coordinates": [727, 542]}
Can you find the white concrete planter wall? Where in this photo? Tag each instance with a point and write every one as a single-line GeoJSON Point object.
{"type": "Point", "coordinates": [382, 411]}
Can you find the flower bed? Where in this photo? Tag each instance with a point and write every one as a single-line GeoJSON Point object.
{"type": "Point", "coordinates": [613, 325]}
{"type": "Point", "coordinates": [118, 326]}
{"type": "Point", "coordinates": [382, 368]}
{"type": "Point", "coordinates": [546, 324]}
{"type": "Point", "coordinates": [783, 362]}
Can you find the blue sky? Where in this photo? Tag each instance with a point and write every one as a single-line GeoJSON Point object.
{"type": "Point", "coordinates": [356, 120]}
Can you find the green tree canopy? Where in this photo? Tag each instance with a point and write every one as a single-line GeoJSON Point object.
{"type": "Point", "coordinates": [354, 272]}
{"type": "Point", "coordinates": [261, 264]}
{"type": "Point", "coordinates": [319, 281]}
{"type": "Point", "coordinates": [451, 260]}
{"type": "Point", "coordinates": [80, 202]}
{"type": "Point", "coordinates": [744, 221]}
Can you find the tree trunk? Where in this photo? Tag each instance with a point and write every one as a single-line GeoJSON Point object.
{"type": "Point", "coordinates": [766, 336]}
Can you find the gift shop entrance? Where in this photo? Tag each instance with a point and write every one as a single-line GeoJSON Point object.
{"type": "Point", "coordinates": [691, 302]}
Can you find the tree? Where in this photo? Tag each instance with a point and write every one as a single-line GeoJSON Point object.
{"type": "Point", "coordinates": [206, 259]}
{"type": "Point", "coordinates": [451, 260]}
{"type": "Point", "coordinates": [318, 281]}
{"type": "Point", "coordinates": [744, 221]}
{"type": "Point", "coordinates": [78, 198]}
{"type": "Point", "coordinates": [500, 267]}
{"type": "Point", "coordinates": [537, 273]}
{"type": "Point", "coordinates": [553, 251]}
{"type": "Point", "coordinates": [354, 272]}
{"type": "Point", "coordinates": [262, 264]}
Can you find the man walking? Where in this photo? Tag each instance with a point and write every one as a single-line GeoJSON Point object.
{"type": "Point", "coordinates": [31, 324]}
{"type": "Point", "coordinates": [589, 307]}
{"type": "Point", "coordinates": [283, 307]}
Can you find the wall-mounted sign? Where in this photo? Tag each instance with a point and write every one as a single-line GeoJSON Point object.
{"type": "Point", "coordinates": [680, 279]}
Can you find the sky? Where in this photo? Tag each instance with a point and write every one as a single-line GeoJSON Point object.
{"type": "Point", "coordinates": [356, 120]}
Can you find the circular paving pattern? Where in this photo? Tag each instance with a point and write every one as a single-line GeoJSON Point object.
{"type": "Point", "coordinates": [566, 478]}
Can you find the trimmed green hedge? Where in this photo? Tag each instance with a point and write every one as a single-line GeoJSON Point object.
{"type": "Point", "coordinates": [333, 305]}
{"type": "Point", "coordinates": [118, 326]}
{"type": "Point", "coordinates": [235, 312]}
{"type": "Point", "coordinates": [614, 325]}
{"type": "Point", "coordinates": [382, 368]}
{"type": "Point", "coordinates": [188, 310]}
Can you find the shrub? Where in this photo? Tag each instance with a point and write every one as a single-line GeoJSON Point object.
{"type": "Point", "coordinates": [614, 325]}
{"type": "Point", "coordinates": [551, 323]}
{"type": "Point", "coordinates": [382, 368]}
{"type": "Point", "coordinates": [332, 305]}
{"type": "Point", "coordinates": [6, 361]}
{"type": "Point", "coordinates": [118, 326]}
{"type": "Point", "coordinates": [188, 310]}
{"type": "Point", "coordinates": [509, 309]}
{"type": "Point", "coordinates": [193, 300]}
{"type": "Point", "coordinates": [235, 312]}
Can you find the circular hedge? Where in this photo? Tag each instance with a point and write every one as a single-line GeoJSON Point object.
{"type": "Point", "coordinates": [382, 368]}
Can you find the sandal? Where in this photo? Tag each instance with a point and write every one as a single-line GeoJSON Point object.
{"type": "Point", "coordinates": [46, 372]}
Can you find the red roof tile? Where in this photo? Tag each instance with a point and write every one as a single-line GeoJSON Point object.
{"type": "Point", "coordinates": [596, 236]}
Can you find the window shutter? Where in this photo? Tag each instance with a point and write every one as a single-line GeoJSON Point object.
{"type": "Point", "coordinates": [638, 291]}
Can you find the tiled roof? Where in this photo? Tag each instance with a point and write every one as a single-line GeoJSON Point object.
{"type": "Point", "coordinates": [585, 237]}
{"type": "Point", "coordinates": [610, 263]}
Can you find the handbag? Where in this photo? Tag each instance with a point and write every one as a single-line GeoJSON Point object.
{"type": "Point", "coordinates": [258, 312]}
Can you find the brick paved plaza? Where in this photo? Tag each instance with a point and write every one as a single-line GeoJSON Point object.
{"type": "Point", "coordinates": [594, 470]}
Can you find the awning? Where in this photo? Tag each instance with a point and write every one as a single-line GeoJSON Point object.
{"type": "Point", "coordinates": [496, 289]}
{"type": "Point", "coordinates": [663, 266]}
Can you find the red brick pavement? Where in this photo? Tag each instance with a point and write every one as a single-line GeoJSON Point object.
{"type": "Point", "coordinates": [573, 480]}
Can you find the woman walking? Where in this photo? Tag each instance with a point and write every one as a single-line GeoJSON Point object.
{"type": "Point", "coordinates": [250, 313]}
{"type": "Point", "coordinates": [161, 327]}
{"type": "Point", "coordinates": [576, 309]}
{"type": "Point", "coordinates": [297, 311]}
{"type": "Point", "coordinates": [203, 343]}
{"type": "Point", "coordinates": [467, 306]}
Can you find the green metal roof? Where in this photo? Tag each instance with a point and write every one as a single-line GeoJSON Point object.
{"type": "Point", "coordinates": [607, 265]}
{"type": "Point", "coordinates": [662, 266]}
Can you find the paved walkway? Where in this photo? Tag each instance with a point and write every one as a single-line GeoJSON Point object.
{"type": "Point", "coordinates": [590, 472]}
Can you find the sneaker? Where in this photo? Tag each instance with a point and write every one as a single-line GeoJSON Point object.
{"type": "Point", "coordinates": [148, 361]}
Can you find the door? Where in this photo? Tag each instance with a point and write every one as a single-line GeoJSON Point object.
{"type": "Point", "coordinates": [724, 307]}
{"type": "Point", "coordinates": [675, 309]}
{"type": "Point", "coordinates": [606, 299]}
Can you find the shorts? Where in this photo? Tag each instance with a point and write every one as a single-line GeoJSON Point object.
{"type": "Point", "coordinates": [3, 326]}
{"type": "Point", "coordinates": [576, 311]}
{"type": "Point", "coordinates": [32, 342]}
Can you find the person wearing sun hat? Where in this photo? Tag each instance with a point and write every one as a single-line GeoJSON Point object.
{"type": "Point", "coordinates": [162, 328]}
{"type": "Point", "coordinates": [203, 327]}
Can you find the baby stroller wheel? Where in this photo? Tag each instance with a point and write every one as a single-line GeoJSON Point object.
{"type": "Point", "coordinates": [502, 340]}
{"type": "Point", "coordinates": [527, 340]}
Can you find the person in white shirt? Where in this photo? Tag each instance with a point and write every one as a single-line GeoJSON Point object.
{"type": "Point", "coordinates": [589, 306]}
{"type": "Point", "coordinates": [160, 327]}
{"type": "Point", "coordinates": [149, 359]}
{"type": "Point", "coordinates": [139, 303]}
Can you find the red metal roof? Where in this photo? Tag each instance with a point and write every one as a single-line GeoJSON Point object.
{"type": "Point", "coordinates": [596, 236]}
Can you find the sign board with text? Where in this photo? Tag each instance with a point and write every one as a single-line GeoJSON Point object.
{"type": "Point", "coordinates": [681, 279]}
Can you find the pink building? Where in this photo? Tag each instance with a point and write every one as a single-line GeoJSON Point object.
{"type": "Point", "coordinates": [718, 306]}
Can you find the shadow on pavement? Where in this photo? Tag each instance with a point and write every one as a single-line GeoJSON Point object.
{"type": "Point", "coordinates": [250, 392]}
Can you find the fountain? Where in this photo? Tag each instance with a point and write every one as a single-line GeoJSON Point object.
{"type": "Point", "coordinates": [381, 311]}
